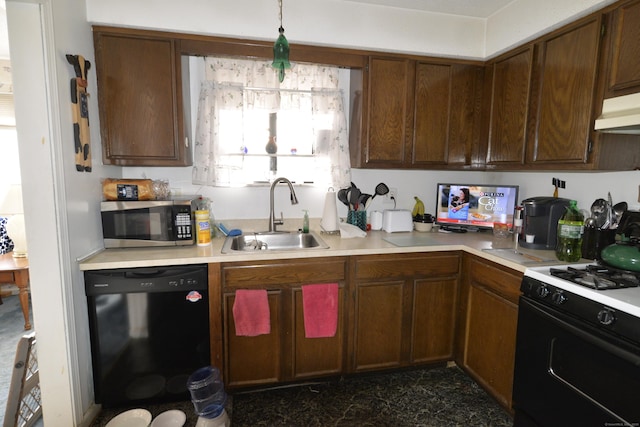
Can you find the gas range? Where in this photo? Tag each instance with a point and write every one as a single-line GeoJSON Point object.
{"type": "Point", "coordinates": [626, 299]}
{"type": "Point", "coordinates": [577, 349]}
{"type": "Point", "coordinates": [560, 287]}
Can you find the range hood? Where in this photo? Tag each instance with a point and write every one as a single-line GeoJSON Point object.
{"type": "Point", "coordinates": [620, 115]}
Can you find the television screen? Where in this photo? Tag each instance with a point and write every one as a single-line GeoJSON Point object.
{"type": "Point", "coordinates": [473, 206]}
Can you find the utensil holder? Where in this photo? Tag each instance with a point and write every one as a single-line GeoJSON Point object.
{"type": "Point", "coordinates": [358, 218]}
{"type": "Point", "coordinates": [594, 240]}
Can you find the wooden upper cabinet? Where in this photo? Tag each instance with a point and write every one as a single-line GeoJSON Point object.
{"type": "Point", "coordinates": [432, 101]}
{"type": "Point", "coordinates": [509, 104]}
{"type": "Point", "coordinates": [446, 118]}
{"type": "Point", "coordinates": [624, 54]}
{"type": "Point", "coordinates": [564, 90]}
{"type": "Point", "coordinates": [140, 99]}
{"type": "Point", "coordinates": [419, 114]}
{"type": "Point", "coordinates": [388, 125]}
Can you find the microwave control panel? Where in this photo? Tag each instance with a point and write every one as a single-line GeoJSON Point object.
{"type": "Point", "coordinates": [183, 223]}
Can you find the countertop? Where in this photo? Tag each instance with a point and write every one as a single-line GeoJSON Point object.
{"type": "Point", "coordinates": [482, 244]}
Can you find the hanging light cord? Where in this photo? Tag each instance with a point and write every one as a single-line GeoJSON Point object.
{"type": "Point", "coordinates": [281, 29]}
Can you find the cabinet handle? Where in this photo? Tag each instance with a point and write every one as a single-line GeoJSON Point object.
{"type": "Point", "coordinates": [186, 141]}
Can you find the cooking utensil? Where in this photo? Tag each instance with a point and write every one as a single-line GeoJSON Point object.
{"type": "Point", "coordinates": [364, 201]}
{"type": "Point", "coordinates": [618, 210]}
{"type": "Point", "coordinates": [622, 255]}
{"type": "Point", "coordinates": [343, 197]}
{"type": "Point", "coordinates": [354, 197]}
{"type": "Point", "coordinates": [599, 212]}
{"type": "Point", "coordinates": [609, 211]}
{"type": "Point", "coordinates": [625, 253]}
{"type": "Point", "coordinates": [381, 189]}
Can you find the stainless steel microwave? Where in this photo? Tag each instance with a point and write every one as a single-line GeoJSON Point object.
{"type": "Point", "coordinates": [128, 224]}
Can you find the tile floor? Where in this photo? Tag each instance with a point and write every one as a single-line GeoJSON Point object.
{"type": "Point", "coordinates": [439, 397]}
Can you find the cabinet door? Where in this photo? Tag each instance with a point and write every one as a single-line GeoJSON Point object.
{"type": "Point", "coordinates": [432, 103]}
{"type": "Point", "coordinates": [140, 100]}
{"type": "Point", "coordinates": [465, 116]}
{"type": "Point", "coordinates": [388, 125]}
{"type": "Point", "coordinates": [566, 69]}
{"type": "Point", "coordinates": [433, 315]}
{"type": "Point", "coordinates": [489, 308]}
{"type": "Point", "coordinates": [624, 73]}
{"type": "Point", "coordinates": [511, 80]}
{"type": "Point", "coordinates": [314, 357]}
{"type": "Point", "coordinates": [490, 354]}
{"type": "Point", "coordinates": [379, 325]}
{"type": "Point", "coordinates": [285, 354]}
{"type": "Point", "coordinates": [404, 310]}
{"type": "Point", "coordinates": [253, 360]}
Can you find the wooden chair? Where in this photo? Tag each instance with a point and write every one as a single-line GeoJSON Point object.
{"type": "Point", "coordinates": [24, 405]}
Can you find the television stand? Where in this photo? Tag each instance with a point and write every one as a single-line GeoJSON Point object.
{"type": "Point", "coordinates": [460, 229]}
{"type": "Point", "coordinates": [447, 229]}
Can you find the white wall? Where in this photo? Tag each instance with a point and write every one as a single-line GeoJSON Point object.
{"type": "Point", "coordinates": [61, 204]}
{"type": "Point", "coordinates": [324, 22]}
{"type": "Point", "coordinates": [348, 24]}
{"type": "Point", "coordinates": [523, 20]}
{"type": "Point", "coordinates": [253, 202]}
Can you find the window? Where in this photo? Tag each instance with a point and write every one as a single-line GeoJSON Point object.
{"type": "Point", "coordinates": [251, 128]}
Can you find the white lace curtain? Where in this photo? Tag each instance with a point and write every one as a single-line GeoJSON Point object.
{"type": "Point", "coordinates": [233, 88]}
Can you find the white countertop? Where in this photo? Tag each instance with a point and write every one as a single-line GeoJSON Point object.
{"type": "Point", "coordinates": [481, 244]}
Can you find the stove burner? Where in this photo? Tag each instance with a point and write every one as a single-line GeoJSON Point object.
{"type": "Point", "coordinates": [598, 277]}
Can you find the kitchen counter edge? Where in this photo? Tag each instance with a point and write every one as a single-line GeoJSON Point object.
{"type": "Point", "coordinates": [373, 244]}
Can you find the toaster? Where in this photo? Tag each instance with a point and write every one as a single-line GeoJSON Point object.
{"type": "Point", "coordinates": [397, 220]}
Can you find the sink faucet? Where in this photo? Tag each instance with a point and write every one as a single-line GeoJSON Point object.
{"type": "Point", "coordinates": [294, 201]}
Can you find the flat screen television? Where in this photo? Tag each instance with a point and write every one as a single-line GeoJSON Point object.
{"type": "Point", "coordinates": [474, 207]}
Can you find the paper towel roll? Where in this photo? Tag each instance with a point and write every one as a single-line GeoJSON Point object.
{"type": "Point", "coordinates": [329, 221]}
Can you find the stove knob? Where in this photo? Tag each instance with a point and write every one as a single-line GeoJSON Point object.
{"type": "Point", "coordinates": [558, 298]}
{"type": "Point", "coordinates": [606, 317]}
{"type": "Point", "coordinates": [542, 291]}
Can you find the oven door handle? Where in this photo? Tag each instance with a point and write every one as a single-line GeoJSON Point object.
{"type": "Point", "coordinates": [586, 336]}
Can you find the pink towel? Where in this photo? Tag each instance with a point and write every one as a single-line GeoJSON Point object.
{"type": "Point", "coordinates": [251, 313]}
{"type": "Point", "coordinates": [320, 309]}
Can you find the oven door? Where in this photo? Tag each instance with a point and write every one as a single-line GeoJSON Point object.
{"type": "Point", "coordinates": [571, 373]}
{"type": "Point", "coordinates": [138, 224]}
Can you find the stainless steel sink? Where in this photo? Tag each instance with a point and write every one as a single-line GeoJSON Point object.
{"type": "Point", "coordinates": [273, 241]}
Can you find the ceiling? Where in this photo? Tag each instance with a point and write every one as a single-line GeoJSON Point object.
{"type": "Point", "coordinates": [473, 8]}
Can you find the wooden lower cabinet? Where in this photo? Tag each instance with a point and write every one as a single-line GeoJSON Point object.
{"type": "Point", "coordinates": [488, 317]}
{"type": "Point", "coordinates": [403, 309]}
{"type": "Point", "coordinates": [395, 310]}
{"type": "Point", "coordinates": [284, 354]}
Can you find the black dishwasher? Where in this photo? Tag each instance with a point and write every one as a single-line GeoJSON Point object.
{"type": "Point", "coordinates": [149, 330]}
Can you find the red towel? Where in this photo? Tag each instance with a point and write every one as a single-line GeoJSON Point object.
{"type": "Point", "coordinates": [320, 309]}
{"type": "Point", "coordinates": [251, 313]}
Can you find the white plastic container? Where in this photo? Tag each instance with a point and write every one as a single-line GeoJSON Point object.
{"type": "Point", "coordinates": [397, 220]}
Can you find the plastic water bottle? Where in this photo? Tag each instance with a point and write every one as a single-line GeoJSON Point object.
{"type": "Point", "coordinates": [570, 229]}
{"type": "Point", "coordinates": [207, 392]}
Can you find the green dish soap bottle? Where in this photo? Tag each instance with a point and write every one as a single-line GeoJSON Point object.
{"type": "Point", "coordinates": [570, 228]}
{"type": "Point", "coordinates": [305, 222]}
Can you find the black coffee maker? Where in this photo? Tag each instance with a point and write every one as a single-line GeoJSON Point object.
{"type": "Point", "coordinates": [540, 220]}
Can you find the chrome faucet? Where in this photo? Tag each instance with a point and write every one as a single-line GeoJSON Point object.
{"type": "Point", "coordinates": [294, 201]}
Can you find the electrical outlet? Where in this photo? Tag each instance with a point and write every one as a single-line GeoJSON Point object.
{"type": "Point", "coordinates": [391, 196]}
{"type": "Point", "coordinates": [638, 193]}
